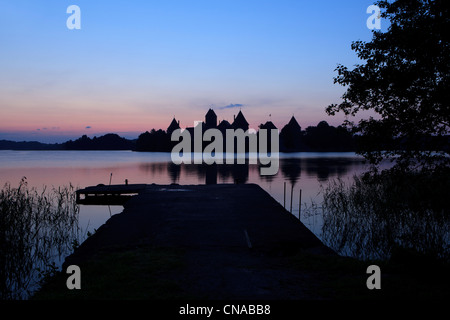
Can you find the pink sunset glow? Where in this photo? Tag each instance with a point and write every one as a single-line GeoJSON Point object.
{"type": "Point", "coordinates": [158, 62]}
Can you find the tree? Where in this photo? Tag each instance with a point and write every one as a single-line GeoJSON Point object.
{"type": "Point", "coordinates": [405, 82]}
{"type": "Point", "coordinates": [327, 138]}
{"type": "Point", "coordinates": [154, 141]}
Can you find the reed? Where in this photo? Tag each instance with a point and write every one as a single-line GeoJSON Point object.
{"type": "Point", "coordinates": [375, 218]}
{"type": "Point", "coordinates": [37, 230]}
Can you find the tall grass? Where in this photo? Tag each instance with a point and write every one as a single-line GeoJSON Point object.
{"type": "Point", "coordinates": [37, 229]}
{"type": "Point", "coordinates": [370, 218]}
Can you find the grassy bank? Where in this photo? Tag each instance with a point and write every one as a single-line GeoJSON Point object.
{"type": "Point", "coordinates": [407, 276]}
{"type": "Point", "coordinates": [122, 274]}
{"type": "Point", "coordinates": [151, 274]}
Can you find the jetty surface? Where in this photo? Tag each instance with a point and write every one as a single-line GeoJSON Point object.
{"type": "Point", "coordinates": [234, 237]}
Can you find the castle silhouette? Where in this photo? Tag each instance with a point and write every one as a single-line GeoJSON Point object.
{"type": "Point", "coordinates": [320, 138]}
{"type": "Point", "coordinates": [211, 123]}
{"type": "Point", "coordinates": [323, 137]}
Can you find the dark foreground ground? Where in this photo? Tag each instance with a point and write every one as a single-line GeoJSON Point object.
{"type": "Point", "coordinates": [216, 242]}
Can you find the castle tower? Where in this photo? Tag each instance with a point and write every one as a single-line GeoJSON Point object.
{"type": "Point", "coordinates": [240, 122]}
{"type": "Point", "coordinates": [173, 126]}
{"type": "Point", "coordinates": [210, 119]}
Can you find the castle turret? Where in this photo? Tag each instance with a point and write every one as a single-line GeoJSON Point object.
{"type": "Point", "coordinates": [240, 122]}
{"type": "Point", "coordinates": [173, 126]}
{"type": "Point", "coordinates": [210, 119]}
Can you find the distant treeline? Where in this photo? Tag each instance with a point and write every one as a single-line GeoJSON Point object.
{"type": "Point", "coordinates": [28, 145]}
{"type": "Point", "coordinates": [320, 138]}
{"type": "Point", "coordinates": [109, 141]}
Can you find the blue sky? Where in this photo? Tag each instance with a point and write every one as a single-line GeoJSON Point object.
{"type": "Point", "coordinates": [134, 65]}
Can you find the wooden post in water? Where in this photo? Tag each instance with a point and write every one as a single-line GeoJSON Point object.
{"type": "Point", "coordinates": [299, 203]}
{"type": "Point", "coordinates": [284, 194]}
{"type": "Point", "coordinates": [292, 191]}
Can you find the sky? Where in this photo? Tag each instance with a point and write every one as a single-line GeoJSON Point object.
{"type": "Point", "coordinates": [134, 65]}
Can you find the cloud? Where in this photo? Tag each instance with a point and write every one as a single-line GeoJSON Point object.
{"type": "Point", "coordinates": [237, 105]}
{"type": "Point", "coordinates": [88, 127]}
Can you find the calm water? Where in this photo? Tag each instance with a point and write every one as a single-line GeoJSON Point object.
{"type": "Point", "coordinates": [305, 171]}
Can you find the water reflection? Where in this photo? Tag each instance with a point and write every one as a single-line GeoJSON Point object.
{"type": "Point", "coordinates": [84, 168]}
{"type": "Point", "coordinates": [290, 169]}
{"type": "Point", "coordinates": [305, 171]}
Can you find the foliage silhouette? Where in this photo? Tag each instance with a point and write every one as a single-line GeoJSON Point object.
{"type": "Point", "coordinates": [107, 142]}
{"type": "Point", "coordinates": [404, 82]}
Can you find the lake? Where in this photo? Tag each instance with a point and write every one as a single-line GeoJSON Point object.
{"type": "Point", "coordinates": [357, 233]}
{"type": "Point", "coordinates": [305, 171]}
